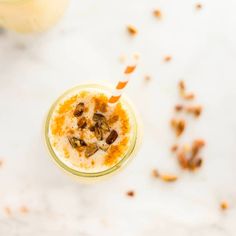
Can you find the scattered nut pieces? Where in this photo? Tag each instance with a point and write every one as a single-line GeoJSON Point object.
{"type": "Point", "coordinates": [82, 123]}
{"type": "Point", "coordinates": [169, 178]}
{"type": "Point", "coordinates": [198, 6]}
{"type": "Point", "coordinates": [178, 126]}
{"type": "Point", "coordinates": [147, 78]}
{"type": "Point", "coordinates": [167, 58]}
{"type": "Point", "coordinates": [91, 149]}
{"type": "Point", "coordinates": [130, 193]}
{"type": "Point", "coordinates": [179, 108]}
{"type": "Point", "coordinates": [194, 110]}
{"type": "Point", "coordinates": [164, 177]}
{"type": "Point", "coordinates": [155, 173]}
{"type": "Point", "coordinates": [79, 109]}
{"type": "Point", "coordinates": [224, 205]}
{"type": "Point", "coordinates": [24, 209]}
{"type": "Point", "coordinates": [76, 142]}
{"type": "Point", "coordinates": [104, 146]}
{"type": "Point", "coordinates": [189, 159]}
{"type": "Point", "coordinates": [183, 93]}
{"type": "Point", "coordinates": [158, 14]}
{"type": "Point", "coordinates": [132, 30]}
{"type": "Point", "coordinates": [98, 132]}
{"type": "Point", "coordinates": [112, 137]}
{"type": "Point", "coordinates": [174, 148]}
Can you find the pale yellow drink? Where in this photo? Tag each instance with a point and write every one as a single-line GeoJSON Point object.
{"type": "Point", "coordinates": [30, 15]}
{"type": "Point", "coordinates": [87, 136]}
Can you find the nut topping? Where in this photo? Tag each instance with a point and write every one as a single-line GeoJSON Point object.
{"type": "Point", "coordinates": [112, 137]}
{"type": "Point", "coordinates": [98, 132]}
{"type": "Point", "coordinates": [91, 149]}
{"type": "Point", "coordinates": [82, 123]}
{"type": "Point", "coordinates": [79, 109]}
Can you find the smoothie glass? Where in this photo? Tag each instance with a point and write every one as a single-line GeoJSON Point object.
{"type": "Point", "coordinates": [30, 15]}
{"type": "Point", "coordinates": [135, 137]}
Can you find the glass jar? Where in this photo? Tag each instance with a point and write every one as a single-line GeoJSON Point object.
{"type": "Point", "coordinates": [30, 15]}
{"type": "Point", "coordinates": [132, 149]}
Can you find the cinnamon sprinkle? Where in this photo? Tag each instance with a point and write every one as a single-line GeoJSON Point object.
{"type": "Point", "coordinates": [130, 193]}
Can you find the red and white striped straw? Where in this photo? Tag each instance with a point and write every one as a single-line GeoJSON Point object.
{"type": "Point", "coordinates": [122, 84]}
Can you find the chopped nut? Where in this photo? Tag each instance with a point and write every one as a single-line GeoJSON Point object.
{"type": "Point", "coordinates": [79, 109]}
{"type": "Point", "coordinates": [189, 96]}
{"type": "Point", "coordinates": [73, 141]}
{"type": "Point", "coordinates": [98, 132]}
{"type": "Point", "coordinates": [195, 110]}
{"type": "Point", "coordinates": [169, 178]}
{"type": "Point", "coordinates": [113, 119]}
{"type": "Point", "coordinates": [91, 149]}
{"type": "Point", "coordinates": [167, 58]}
{"type": "Point", "coordinates": [179, 108]}
{"type": "Point", "coordinates": [155, 173]}
{"type": "Point", "coordinates": [130, 193]}
{"type": "Point", "coordinates": [98, 117]}
{"type": "Point", "coordinates": [92, 128]}
{"type": "Point", "coordinates": [24, 209]}
{"type": "Point", "coordinates": [104, 146]}
{"type": "Point", "coordinates": [132, 30]}
{"type": "Point", "coordinates": [181, 85]}
{"type": "Point", "coordinates": [112, 137]}
{"type": "Point", "coordinates": [82, 123]}
{"type": "Point", "coordinates": [189, 158]}
{"type": "Point", "coordinates": [147, 78]}
{"type": "Point", "coordinates": [198, 6]}
{"type": "Point", "coordinates": [224, 205]}
{"type": "Point", "coordinates": [183, 93]}
{"type": "Point", "coordinates": [178, 126]}
{"type": "Point", "coordinates": [76, 142]}
{"type": "Point", "coordinates": [174, 148]}
{"type": "Point", "coordinates": [157, 13]}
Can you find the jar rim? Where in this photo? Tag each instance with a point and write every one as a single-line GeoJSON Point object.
{"type": "Point", "coordinates": [75, 172]}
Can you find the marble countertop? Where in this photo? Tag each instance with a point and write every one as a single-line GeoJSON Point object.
{"type": "Point", "coordinates": [86, 46]}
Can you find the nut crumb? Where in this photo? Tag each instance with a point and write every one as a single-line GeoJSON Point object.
{"type": "Point", "coordinates": [182, 91]}
{"type": "Point", "coordinates": [132, 30]}
{"type": "Point", "coordinates": [158, 14]}
{"type": "Point", "coordinates": [194, 110]}
{"type": "Point", "coordinates": [24, 209]}
{"type": "Point", "coordinates": [198, 6]}
{"type": "Point", "coordinates": [130, 193]}
{"type": "Point", "coordinates": [8, 211]}
{"type": "Point", "coordinates": [179, 108]}
{"type": "Point", "coordinates": [224, 205]}
{"type": "Point", "coordinates": [147, 78]}
{"type": "Point", "coordinates": [155, 173]}
{"type": "Point", "coordinates": [174, 148]}
{"type": "Point", "coordinates": [167, 58]}
{"type": "Point", "coordinates": [178, 126]}
{"type": "Point", "coordinates": [169, 178]}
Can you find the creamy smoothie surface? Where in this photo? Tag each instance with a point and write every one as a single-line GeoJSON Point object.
{"type": "Point", "coordinates": [87, 133]}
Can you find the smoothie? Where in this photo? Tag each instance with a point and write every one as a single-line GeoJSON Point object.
{"type": "Point", "coordinates": [89, 135]}
{"type": "Point", "coordinates": [30, 15]}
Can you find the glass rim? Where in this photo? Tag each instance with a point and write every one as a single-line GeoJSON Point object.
{"type": "Point", "coordinates": [75, 172]}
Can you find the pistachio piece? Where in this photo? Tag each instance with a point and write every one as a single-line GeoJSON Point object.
{"type": "Point", "coordinates": [82, 123]}
{"type": "Point", "coordinates": [92, 128]}
{"type": "Point", "coordinates": [103, 125]}
{"type": "Point", "coordinates": [73, 141]}
{"type": "Point", "coordinates": [98, 132]}
{"type": "Point", "coordinates": [91, 149]}
{"type": "Point", "coordinates": [112, 137]}
{"type": "Point", "coordinates": [79, 109]}
{"type": "Point", "coordinates": [82, 143]}
{"type": "Point", "coordinates": [104, 146]}
{"type": "Point", "coordinates": [98, 117]}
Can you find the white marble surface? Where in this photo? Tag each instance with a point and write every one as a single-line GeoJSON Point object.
{"type": "Point", "coordinates": [85, 47]}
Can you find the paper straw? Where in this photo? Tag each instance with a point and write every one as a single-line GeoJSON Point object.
{"type": "Point", "coordinates": [122, 84]}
